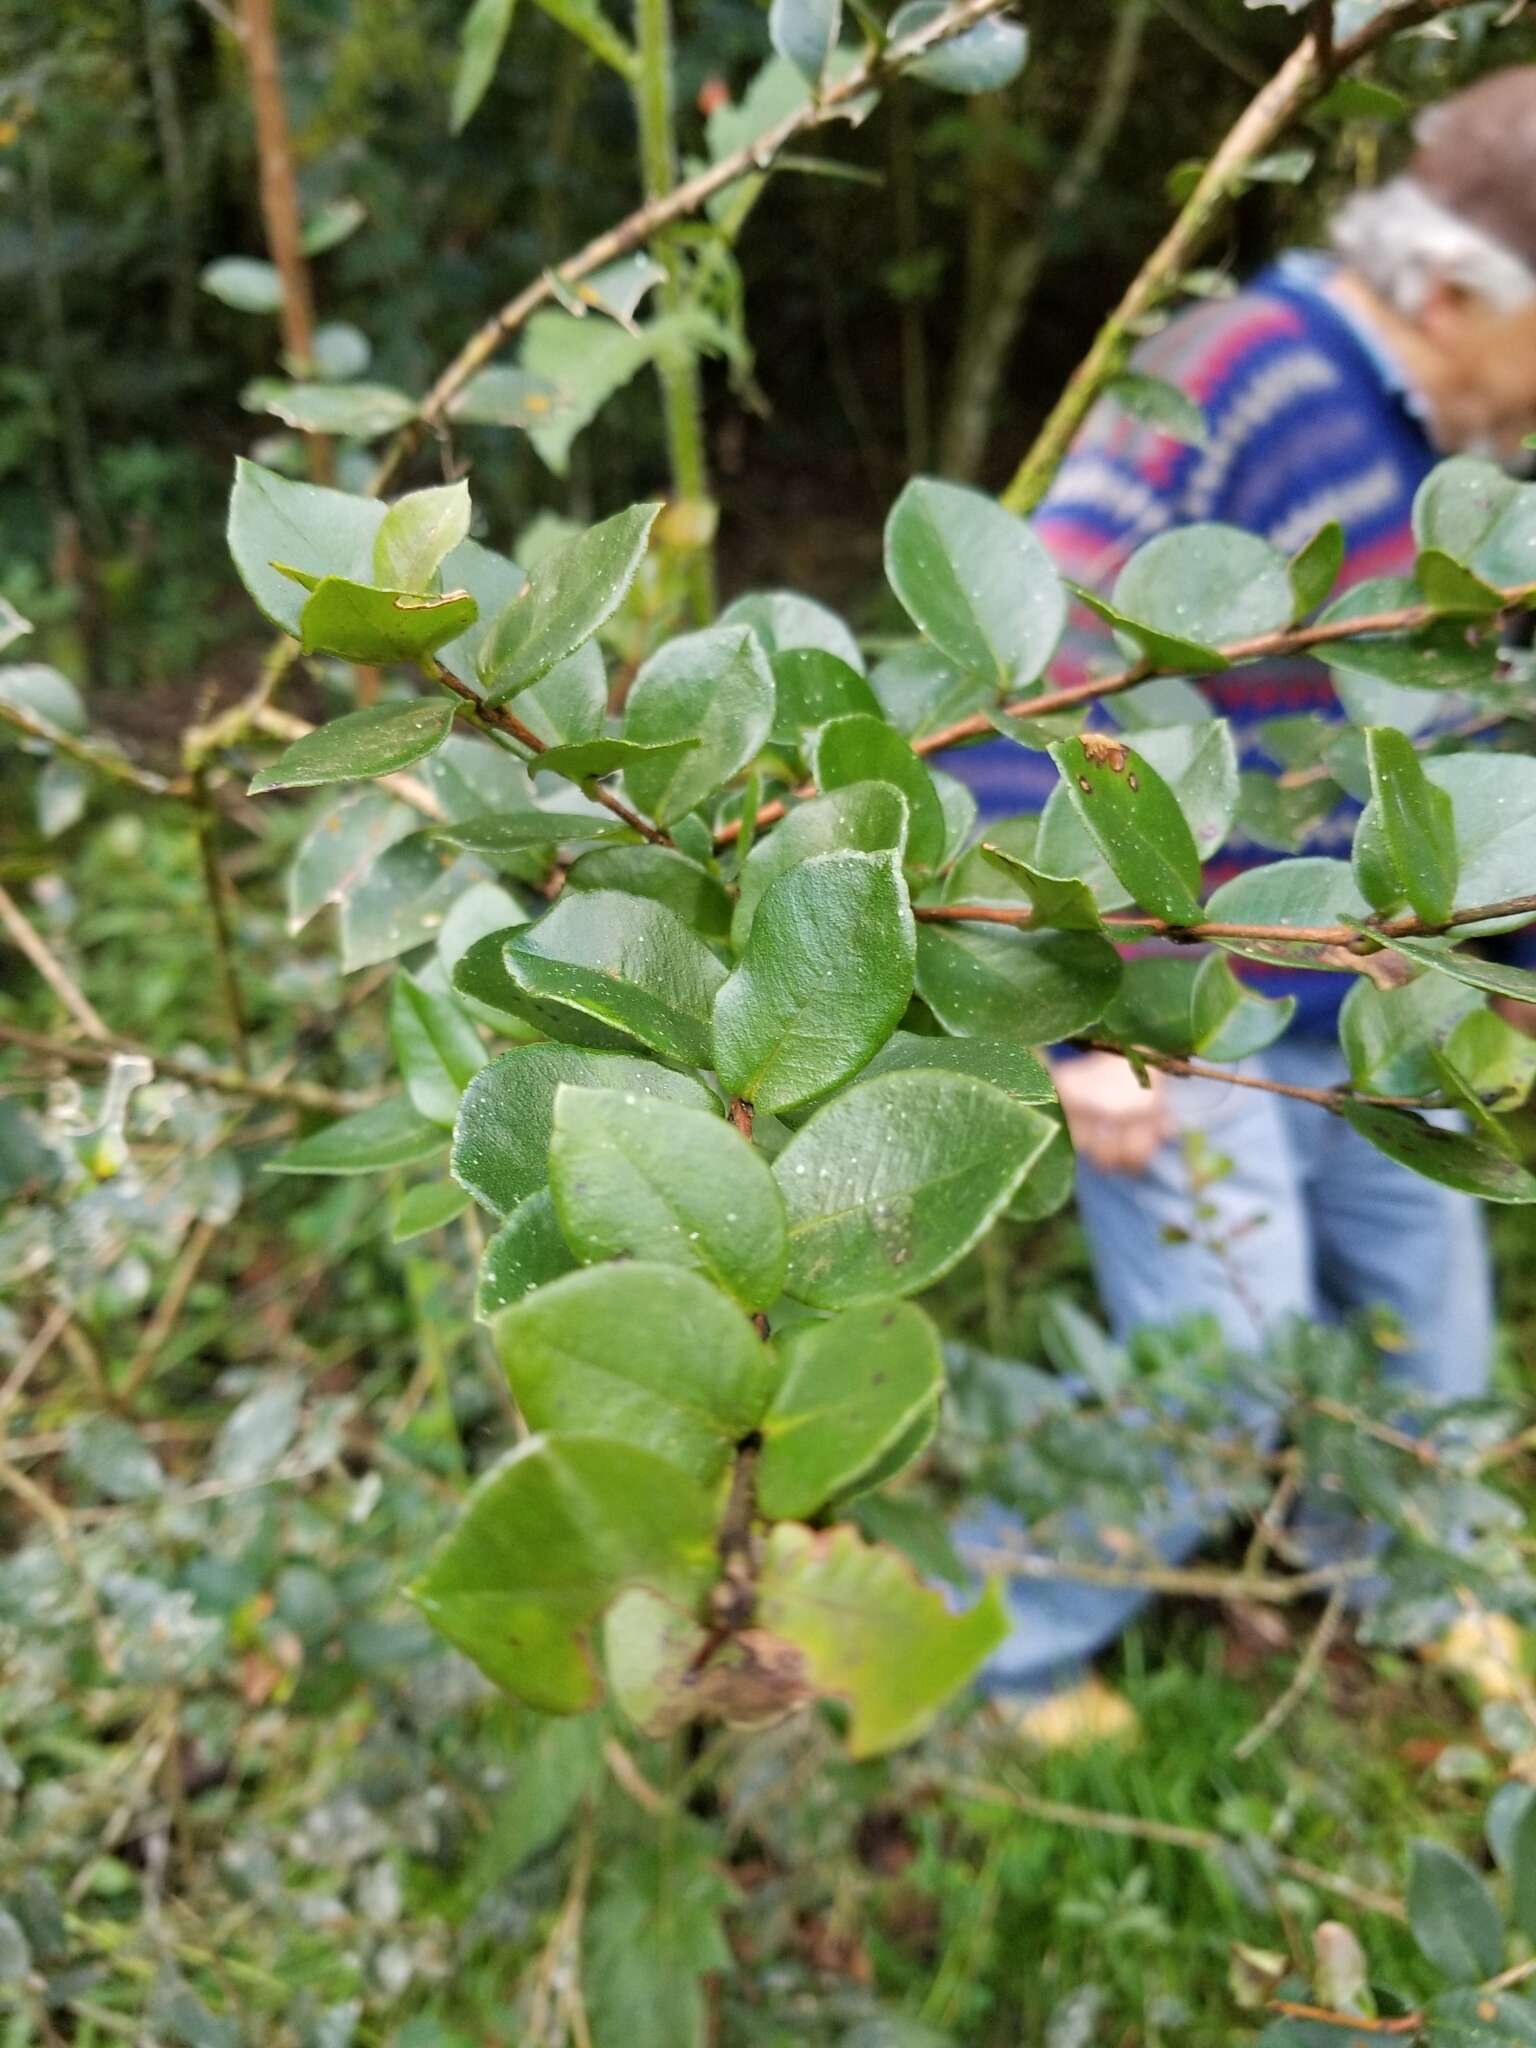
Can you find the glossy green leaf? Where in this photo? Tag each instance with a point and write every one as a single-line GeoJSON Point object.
{"type": "Point", "coordinates": [360, 744]}
{"type": "Point", "coordinates": [982, 59]}
{"type": "Point", "coordinates": [1199, 764]}
{"type": "Point", "coordinates": [1314, 569]}
{"type": "Point", "coordinates": [1416, 825]}
{"type": "Point", "coordinates": [849, 1390]}
{"type": "Point", "coordinates": [636, 1178]}
{"type": "Point", "coordinates": [481, 39]}
{"type": "Point", "coordinates": [860, 748]}
{"type": "Point", "coordinates": [974, 578]}
{"type": "Point", "coordinates": [921, 690]}
{"type": "Point", "coordinates": [1452, 1914]}
{"type": "Point", "coordinates": [894, 1180]}
{"type": "Point", "coordinates": [1033, 987]}
{"type": "Point", "coordinates": [584, 760]}
{"type": "Point", "coordinates": [715, 687]}
{"type": "Point", "coordinates": [1459, 503]}
{"type": "Point", "coordinates": [1207, 583]}
{"type": "Point", "coordinates": [788, 623]}
{"type": "Point", "coordinates": [823, 982]}
{"type": "Point", "coordinates": [1173, 653]}
{"type": "Point", "coordinates": [483, 909]}
{"type": "Point", "coordinates": [417, 533]}
{"type": "Point", "coordinates": [1446, 1156]}
{"type": "Point", "coordinates": [626, 963]}
{"type": "Point", "coordinates": [357, 412]}
{"type": "Point", "coordinates": [1389, 1034]}
{"type": "Point", "coordinates": [1494, 1058]}
{"type": "Point", "coordinates": [1157, 403]}
{"type": "Point", "coordinates": [347, 837]}
{"type": "Point", "coordinates": [1479, 2019]}
{"type": "Point", "coordinates": [864, 817]}
{"type": "Point", "coordinates": [437, 1048]}
{"type": "Point", "coordinates": [1522, 1872]}
{"type": "Point", "coordinates": [426, 1207]}
{"type": "Point", "coordinates": [577, 586]}
{"type": "Point", "coordinates": [45, 696]}
{"type": "Point", "coordinates": [548, 1538]}
{"type": "Point", "coordinates": [361, 623]}
{"type": "Point", "coordinates": [309, 527]}
{"type": "Point", "coordinates": [643, 1352]}
{"type": "Point", "coordinates": [664, 875]}
{"type": "Point", "coordinates": [871, 1632]}
{"type": "Point", "coordinates": [512, 832]}
{"type": "Point", "coordinates": [505, 396]}
{"type": "Point", "coordinates": [392, 1133]}
{"type": "Point", "coordinates": [1450, 589]}
{"type": "Point", "coordinates": [810, 686]}
{"type": "Point", "coordinates": [1229, 1021]}
{"type": "Point", "coordinates": [1135, 819]}
{"type": "Point", "coordinates": [527, 1252]}
{"type": "Point", "coordinates": [1495, 977]}
{"type": "Point", "coordinates": [1059, 901]}
{"type": "Point", "coordinates": [805, 32]}
{"type": "Point", "coordinates": [1008, 1066]}
{"type": "Point", "coordinates": [501, 1138]}
{"type": "Point", "coordinates": [1154, 1004]}
{"type": "Point", "coordinates": [402, 900]}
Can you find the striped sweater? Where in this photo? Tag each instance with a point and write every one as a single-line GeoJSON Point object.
{"type": "Point", "coordinates": [1307, 422]}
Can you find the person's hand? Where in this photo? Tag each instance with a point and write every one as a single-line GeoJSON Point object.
{"type": "Point", "coordinates": [1116, 1123]}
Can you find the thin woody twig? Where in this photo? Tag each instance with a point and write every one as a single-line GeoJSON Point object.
{"type": "Point", "coordinates": [1193, 1582]}
{"type": "Point", "coordinates": [222, 1080]}
{"type": "Point", "coordinates": [1200, 1070]}
{"type": "Point", "coordinates": [1307, 1668]}
{"type": "Point", "coordinates": [1133, 923]}
{"type": "Point", "coordinates": [28, 940]}
{"type": "Point", "coordinates": [100, 760]}
{"type": "Point", "coordinates": [838, 101]}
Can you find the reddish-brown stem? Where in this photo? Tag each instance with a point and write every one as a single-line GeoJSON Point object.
{"type": "Point", "coordinates": [1198, 1070]}
{"type": "Point", "coordinates": [1131, 924]}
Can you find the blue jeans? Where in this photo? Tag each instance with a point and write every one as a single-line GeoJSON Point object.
{"type": "Point", "coordinates": [1309, 1221]}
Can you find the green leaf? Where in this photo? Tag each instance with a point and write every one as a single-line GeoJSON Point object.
{"type": "Point", "coordinates": [1208, 583]}
{"type": "Point", "coordinates": [1479, 2019]}
{"type": "Point", "coordinates": [481, 40]}
{"type": "Point", "coordinates": [635, 1178]}
{"type": "Point", "coordinates": [982, 59]}
{"type": "Point", "coordinates": [360, 744]}
{"type": "Point", "coordinates": [1199, 764]}
{"type": "Point", "coordinates": [426, 1207]}
{"type": "Point", "coordinates": [805, 32]}
{"type": "Point", "coordinates": [1135, 819]}
{"type": "Point", "coordinates": [652, 1937]}
{"type": "Point", "coordinates": [871, 1632]}
{"type": "Point", "coordinates": [548, 1538]}
{"type": "Point", "coordinates": [319, 531]}
{"type": "Point", "coordinates": [1013, 1068]}
{"type": "Point", "coordinates": [1172, 652]}
{"type": "Point", "coordinates": [527, 1252]}
{"type": "Point", "coordinates": [483, 909]}
{"type": "Point", "coordinates": [516, 831]}
{"type": "Point", "coordinates": [1453, 590]}
{"type": "Point", "coordinates": [1459, 504]}
{"type": "Point", "coordinates": [662, 874]}
{"type": "Point", "coordinates": [921, 690]}
{"type": "Point", "coordinates": [576, 588]}
{"type": "Point", "coordinates": [45, 696]}
{"type": "Point", "coordinates": [1493, 798]}
{"type": "Point", "coordinates": [1229, 1021]}
{"type": "Point", "coordinates": [417, 533]}
{"type": "Point", "coordinates": [505, 396]}
{"type": "Point", "coordinates": [1452, 1915]}
{"type": "Point", "coordinates": [860, 748]}
{"type": "Point", "coordinates": [585, 20]}
{"type": "Point", "coordinates": [715, 687]}
{"type": "Point", "coordinates": [1060, 901]}
{"type": "Point", "coordinates": [501, 1139]}
{"type": "Point", "coordinates": [402, 901]}
{"type": "Point", "coordinates": [391, 1133]}
{"type": "Point", "coordinates": [582, 362]}
{"type": "Point", "coordinates": [1416, 825]}
{"type": "Point", "coordinates": [480, 979]}
{"type": "Point", "coordinates": [1314, 569]}
{"type": "Point", "coordinates": [825, 977]}
{"type": "Point", "coordinates": [626, 963]}
{"type": "Point", "coordinates": [894, 1180]}
{"type": "Point", "coordinates": [1493, 976]}
{"type": "Point", "coordinates": [244, 283]}
{"type": "Point", "coordinates": [646, 1353]}
{"type": "Point", "coordinates": [1157, 403]}
{"type": "Point", "coordinates": [1446, 1156]}
{"type": "Point", "coordinates": [1307, 891]}
{"type": "Point", "coordinates": [863, 817]}
{"type": "Point", "coordinates": [327, 228]}
{"type": "Point", "coordinates": [849, 1390]}
{"type": "Point", "coordinates": [437, 1048]}
{"type": "Point", "coordinates": [811, 686]}
{"type": "Point", "coordinates": [1522, 1873]}
{"type": "Point", "coordinates": [361, 623]}
{"type": "Point", "coordinates": [1389, 1034]}
{"type": "Point", "coordinates": [971, 575]}
{"type": "Point", "coordinates": [359, 412]}
{"type": "Point", "coordinates": [1497, 1061]}
{"type": "Point", "coordinates": [586, 760]}
{"type": "Point", "coordinates": [1032, 987]}
{"type": "Point", "coordinates": [788, 623]}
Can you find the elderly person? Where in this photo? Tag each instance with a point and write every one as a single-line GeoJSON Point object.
{"type": "Point", "coordinates": [1331, 386]}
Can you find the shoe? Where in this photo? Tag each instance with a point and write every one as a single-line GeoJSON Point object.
{"type": "Point", "coordinates": [1484, 1651]}
{"type": "Point", "coordinates": [1080, 1717]}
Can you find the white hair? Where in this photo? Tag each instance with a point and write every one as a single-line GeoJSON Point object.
{"type": "Point", "coordinates": [1403, 242]}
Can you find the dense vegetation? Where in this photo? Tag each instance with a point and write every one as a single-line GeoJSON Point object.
{"type": "Point", "coordinates": [480, 1188]}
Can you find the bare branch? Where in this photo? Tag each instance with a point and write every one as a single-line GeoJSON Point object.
{"type": "Point", "coordinates": [222, 1080]}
